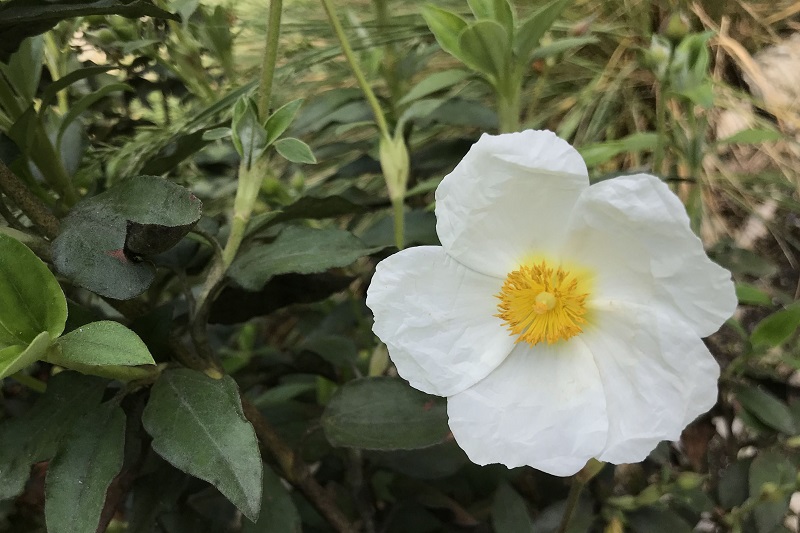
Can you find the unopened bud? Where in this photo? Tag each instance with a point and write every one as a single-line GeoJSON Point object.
{"type": "Point", "coordinates": [395, 165]}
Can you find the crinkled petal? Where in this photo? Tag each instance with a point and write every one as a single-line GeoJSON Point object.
{"type": "Point", "coordinates": [508, 197]}
{"type": "Point", "coordinates": [544, 407]}
{"type": "Point", "coordinates": [634, 233]}
{"type": "Point", "coordinates": [437, 319]}
{"type": "Point", "coordinates": [657, 375]}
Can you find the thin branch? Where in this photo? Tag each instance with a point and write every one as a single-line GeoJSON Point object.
{"type": "Point", "coordinates": [15, 189]}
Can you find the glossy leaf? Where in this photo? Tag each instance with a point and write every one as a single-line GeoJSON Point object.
{"type": "Point", "coordinates": [509, 513]}
{"type": "Point", "coordinates": [15, 358]}
{"type": "Point", "coordinates": [80, 473]}
{"type": "Point", "coordinates": [103, 238]}
{"type": "Point", "coordinates": [295, 150]}
{"type": "Point", "coordinates": [297, 249]}
{"type": "Point", "coordinates": [36, 437]}
{"type": "Point", "coordinates": [384, 414]}
{"type": "Point", "coordinates": [767, 408]}
{"type": "Point", "coordinates": [278, 511]}
{"type": "Point", "coordinates": [776, 329]}
{"type": "Point", "coordinates": [446, 26]}
{"type": "Point", "coordinates": [31, 300]}
{"type": "Point", "coordinates": [531, 31]}
{"type": "Point", "coordinates": [198, 425]}
{"type": "Point", "coordinates": [281, 119]}
{"type": "Point", "coordinates": [484, 46]}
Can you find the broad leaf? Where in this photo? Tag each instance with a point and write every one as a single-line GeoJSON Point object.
{"type": "Point", "coordinates": [103, 238]}
{"type": "Point", "coordinates": [776, 329]}
{"type": "Point", "coordinates": [249, 136]}
{"type": "Point", "coordinates": [278, 512]}
{"type": "Point", "coordinates": [80, 473]}
{"type": "Point", "coordinates": [767, 408]}
{"type": "Point", "coordinates": [15, 358]}
{"type": "Point", "coordinates": [295, 150]}
{"type": "Point", "coordinates": [531, 31]}
{"type": "Point", "coordinates": [198, 425]}
{"type": "Point", "coordinates": [498, 10]}
{"type": "Point", "coordinates": [509, 513]}
{"type": "Point", "coordinates": [485, 47]}
{"type": "Point", "coordinates": [281, 119]}
{"type": "Point", "coordinates": [31, 300]}
{"type": "Point", "coordinates": [36, 437]}
{"type": "Point", "coordinates": [297, 249]}
{"type": "Point", "coordinates": [23, 18]}
{"type": "Point", "coordinates": [733, 486]}
{"type": "Point", "coordinates": [384, 414]}
{"type": "Point", "coordinates": [768, 471]}
{"type": "Point", "coordinates": [446, 26]}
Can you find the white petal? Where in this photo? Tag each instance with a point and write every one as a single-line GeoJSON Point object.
{"type": "Point", "coordinates": [543, 407]}
{"type": "Point", "coordinates": [508, 198]}
{"type": "Point", "coordinates": [634, 232]}
{"type": "Point", "coordinates": [657, 374]}
{"type": "Point", "coordinates": [437, 319]}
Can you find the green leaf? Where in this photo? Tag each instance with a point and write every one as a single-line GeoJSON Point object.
{"type": "Point", "coordinates": [31, 300]}
{"type": "Point", "coordinates": [52, 90]}
{"type": "Point", "coordinates": [297, 249]}
{"type": "Point", "coordinates": [776, 328]}
{"type": "Point", "coordinates": [655, 520]}
{"type": "Point", "coordinates": [24, 67]}
{"type": "Point", "coordinates": [384, 414]}
{"type": "Point", "coordinates": [560, 46]}
{"type": "Point", "coordinates": [198, 425]}
{"type": "Point", "coordinates": [768, 472]}
{"type": "Point", "coordinates": [103, 348]}
{"type": "Point", "coordinates": [23, 18]}
{"type": "Point", "coordinates": [249, 136]}
{"type": "Point", "coordinates": [749, 294]}
{"type": "Point", "coordinates": [752, 136]}
{"type": "Point", "coordinates": [597, 153]}
{"type": "Point", "coordinates": [295, 150]}
{"type": "Point", "coordinates": [434, 83]}
{"type": "Point", "coordinates": [36, 436]}
{"type": "Point", "coordinates": [103, 238]}
{"type": "Point", "coordinates": [15, 358]}
{"type": "Point", "coordinates": [216, 134]}
{"type": "Point", "coordinates": [533, 28]}
{"type": "Point", "coordinates": [446, 26]}
{"type": "Point", "coordinates": [77, 108]}
{"type": "Point", "coordinates": [509, 512]}
{"type": "Point", "coordinates": [82, 470]}
{"type": "Point", "coordinates": [767, 408]}
{"type": "Point", "coordinates": [484, 46]}
{"type": "Point", "coordinates": [281, 119]}
{"type": "Point", "coordinates": [278, 511]}
{"type": "Point", "coordinates": [499, 11]}
{"type": "Point", "coordinates": [734, 483]}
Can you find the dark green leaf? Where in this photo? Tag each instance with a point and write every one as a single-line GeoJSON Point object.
{"type": "Point", "coordinates": [176, 150]}
{"type": "Point", "coordinates": [24, 67]}
{"type": "Point", "coordinates": [278, 512]}
{"type": "Point", "coordinates": [509, 512]}
{"type": "Point", "coordinates": [446, 26]}
{"type": "Point", "coordinates": [103, 236]}
{"type": "Point", "coordinates": [776, 329]}
{"type": "Point", "coordinates": [49, 94]}
{"type": "Point", "coordinates": [80, 473]}
{"type": "Point", "coordinates": [295, 150]}
{"type": "Point", "coordinates": [535, 26]}
{"type": "Point", "coordinates": [419, 228]}
{"type": "Point", "coordinates": [734, 484]}
{"type": "Point", "coordinates": [31, 300]}
{"type": "Point", "coordinates": [768, 471]}
{"type": "Point", "coordinates": [297, 249]}
{"type": "Point", "coordinates": [23, 18]}
{"type": "Point", "coordinates": [198, 425]}
{"type": "Point", "coordinates": [384, 414]}
{"type": "Point", "coordinates": [434, 462]}
{"type": "Point", "coordinates": [336, 349]}
{"type": "Point", "coordinates": [548, 520]}
{"type": "Point", "coordinates": [766, 407]}
{"type": "Point", "coordinates": [655, 520]}
{"type": "Point", "coordinates": [317, 206]}
{"type": "Point", "coordinates": [36, 437]}
{"type": "Point", "coordinates": [484, 46]}
{"type": "Point", "coordinates": [280, 120]}
{"type": "Point", "coordinates": [77, 108]}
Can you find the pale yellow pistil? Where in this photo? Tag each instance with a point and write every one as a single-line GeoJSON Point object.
{"type": "Point", "coordinates": [539, 303]}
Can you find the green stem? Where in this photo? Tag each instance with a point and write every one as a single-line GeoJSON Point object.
{"type": "Point", "coordinates": [575, 490]}
{"type": "Point", "coordinates": [399, 223]}
{"type": "Point", "coordinates": [390, 55]}
{"type": "Point", "coordinates": [18, 192]}
{"type": "Point", "coordinates": [31, 382]}
{"type": "Point", "coordinates": [270, 58]}
{"type": "Point", "coordinates": [661, 129]}
{"type": "Point", "coordinates": [380, 120]}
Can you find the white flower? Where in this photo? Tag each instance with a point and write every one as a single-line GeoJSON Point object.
{"type": "Point", "coordinates": [561, 321]}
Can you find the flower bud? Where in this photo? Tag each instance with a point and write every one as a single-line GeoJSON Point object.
{"type": "Point", "coordinates": [676, 27]}
{"type": "Point", "coordinates": [395, 165]}
{"type": "Point", "coordinates": [689, 480]}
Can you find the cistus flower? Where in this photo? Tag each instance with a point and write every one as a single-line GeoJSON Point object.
{"type": "Point", "coordinates": [562, 321]}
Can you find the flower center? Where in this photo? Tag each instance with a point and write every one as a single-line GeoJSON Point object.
{"type": "Point", "coordinates": [539, 303]}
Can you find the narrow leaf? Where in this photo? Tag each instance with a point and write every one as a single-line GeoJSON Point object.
{"type": "Point", "coordinates": [198, 425]}
{"type": "Point", "coordinates": [767, 408]}
{"type": "Point", "coordinates": [384, 414]}
{"type": "Point", "coordinates": [532, 30]}
{"type": "Point", "coordinates": [770, 468]}
{"type": "Point", "coordinates": [776, 329]}
{"type": "Point", "coordinates": [82, 470]}
{"type": "Point", "coordinates": [295, 150]}
{"type": "Point", "coordinates": [281, 119]}
{"type": "Point", "coordinates": [434, 83]}
{"type": "Point", "coordinates": [76, 109]}
{"type": "Point", "coordinates": [752, 136]}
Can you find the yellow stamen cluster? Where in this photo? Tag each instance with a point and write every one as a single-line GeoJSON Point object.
{"type": "Point", "coordinates": [540, 303]}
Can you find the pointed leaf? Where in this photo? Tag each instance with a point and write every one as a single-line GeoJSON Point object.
{"type": "Point", "coordinates": [77, 108]}
{"type": "Point", "coordinates": [281, 119]}
{"type": "Point", "coordinates": [446, 26]}
{"type": "Point", "coordinates": [509, 513]}
{"type": "Point", "coordinates": [485, 45]}
{"type": "Point", "coordinates": [767, 408]}
{"type": "Point", "coordinates": [35, 437]}
{"type": "Point", "coordinates": [15, 358]}
{"type": "Point", "coordinates": [249, 136]}
{"type": "Point", "coordinates": [560, 46]}
{"type": "Point", "coordinates": [31, 300]}
{"type": "Point", "coordinates": [434, 83]}
{"type": "Point", "coordinates": [771, 468]}
{"type": "Point", "coordinates": [297, 249]}
{"type": "Point", "coordinates": [198, 425]}
{"type": "Point", "coordinates": [384, 414]}
{"type": "Point", "coordinates": [498, 10]}
{"type": "Point", "coordinates": [80, 473]}
{"type": "Point", "coordinates": [776, 329]}
{"type": "Point", "coordinates": [295, 150]}
{"type": "Point", "coordinates": [532, 30]}
{"type": "Point", "coordinates": [278, 511]}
